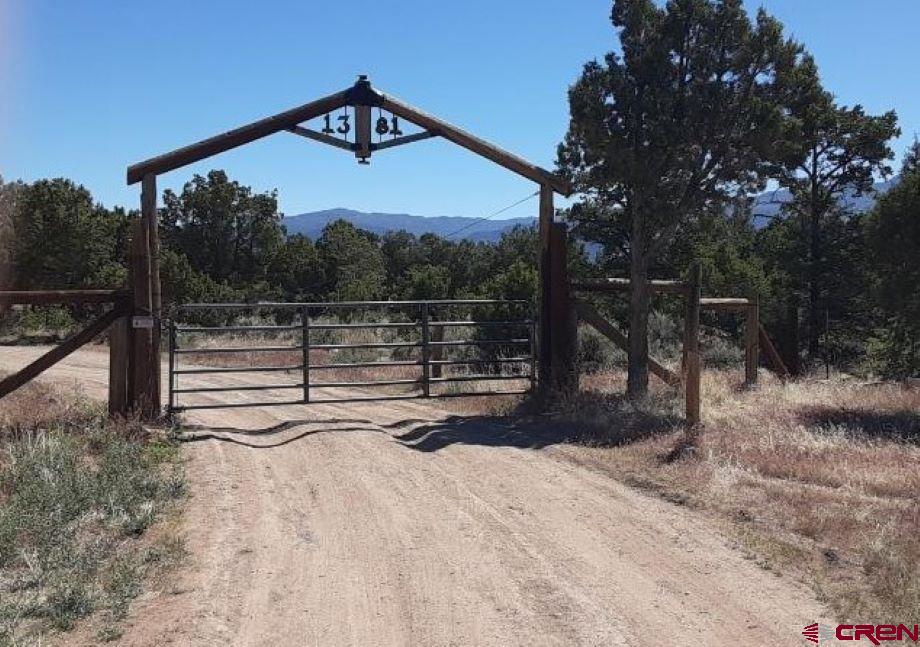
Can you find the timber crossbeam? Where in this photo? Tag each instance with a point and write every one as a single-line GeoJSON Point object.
{"type": "Point", "coordinates": [723, 304]}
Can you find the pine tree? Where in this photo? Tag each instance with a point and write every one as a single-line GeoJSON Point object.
{"type": "Point", "coordinates": [893, 235]}
{"type": "Point", "coordinates": [834, 154]}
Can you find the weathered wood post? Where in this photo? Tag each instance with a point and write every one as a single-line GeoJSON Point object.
{"type": "Point", "coordinates": [555, 347]}
{"type": "Point", "coordinates": [545, 297]}
{"type": "Point", "coordinates": [573, 323]}
{"type": "Point", "coordinates": [789, 345]}
{"type": "Point", "coordinates": [692, 363]}
{"type": "Point", "coordinates": [149, 186]}
{"type": "Point", "coordinates": [751, 341]}
{"type": "Point", "coordinates": [563, 353]}
{"type": "Point", "coordinates": [119, 362]}
{"type": "Point", "coordinates": [144, 379]}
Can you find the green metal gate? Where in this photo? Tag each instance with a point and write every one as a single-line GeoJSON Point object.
{"type": "Point", "coordinates": [386, 350]}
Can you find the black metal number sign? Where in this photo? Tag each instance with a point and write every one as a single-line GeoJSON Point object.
{"type": "Point", "coordinates": [384, 125]}
{"type": "Point", "coordinates": [344, 125]}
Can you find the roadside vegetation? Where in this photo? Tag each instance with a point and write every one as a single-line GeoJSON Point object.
{"type": "Point", "coordinates": [86, 515]}
{"type": "Point", "coordinates": [818, 477]}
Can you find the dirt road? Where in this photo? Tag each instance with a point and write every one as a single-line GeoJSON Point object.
{"type": "Point", "coordinates": [398, 524]}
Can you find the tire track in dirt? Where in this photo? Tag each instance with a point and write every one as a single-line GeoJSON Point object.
{"type": "Point", "coordinates": [396, 523]}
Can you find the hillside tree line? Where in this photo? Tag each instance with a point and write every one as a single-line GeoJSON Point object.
{"type": "Point", "coordinates": [698, 108]}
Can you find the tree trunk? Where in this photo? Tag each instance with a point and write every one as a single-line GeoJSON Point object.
{"type": "Point", "coordinates": [814, 287]}
{"type": "Point", "coordinates": [639, 298]}
{"type": "Point", "coordinates": [790, 343]}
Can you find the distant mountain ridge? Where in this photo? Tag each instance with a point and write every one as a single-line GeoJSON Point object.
{"type": "Point", "coordinates": [766, 206]}
{"type": "Point", "coordinates": [455, 227]}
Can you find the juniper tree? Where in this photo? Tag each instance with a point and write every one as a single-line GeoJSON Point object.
{"type": "Point", "coordinates": [684, 118]}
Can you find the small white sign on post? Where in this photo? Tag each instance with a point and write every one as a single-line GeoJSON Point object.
{"type": "Point", "coordinates": [142, 322]}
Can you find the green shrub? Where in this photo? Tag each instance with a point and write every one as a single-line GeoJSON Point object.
{"type": "Point", "coordinates": [719, 351]}
{"type": "Point", "coordinates": [665, 337]}
{"type": "Point", "coordinates": [596, 352]}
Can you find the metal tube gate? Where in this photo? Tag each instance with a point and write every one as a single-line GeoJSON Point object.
{"type": "Point", "coordinates": [505, 353]}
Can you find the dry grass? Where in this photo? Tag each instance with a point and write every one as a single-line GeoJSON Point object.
{"type": "Point", "coordinates": [818, 477]}
{"type": "Point", "coordinates": [82, 504]}
{"type": "Point", "coordinates": [37, 406]}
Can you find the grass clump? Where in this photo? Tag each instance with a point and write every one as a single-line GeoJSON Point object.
{"type": "Point", "coordinates": [77, 497]}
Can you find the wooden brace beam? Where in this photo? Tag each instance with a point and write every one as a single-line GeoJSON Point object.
{"type": "Point", "coordinates": [59, 352]}
{"type": "Point", "coordinates": [399, 141]}
{"type": "Point", "coordinates": [770, 355]}
{"type": "Point", "coordinates": [593, 317]}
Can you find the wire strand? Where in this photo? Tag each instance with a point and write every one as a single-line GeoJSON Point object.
{"type": "Point", "coordinates": [492, 215]}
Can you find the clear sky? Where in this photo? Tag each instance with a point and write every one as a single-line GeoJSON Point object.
{"type": "Point", "coordinates": [87, 88]}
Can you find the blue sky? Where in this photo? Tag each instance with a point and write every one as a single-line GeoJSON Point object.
{"type": "Point", "coordinates": [87, 88]}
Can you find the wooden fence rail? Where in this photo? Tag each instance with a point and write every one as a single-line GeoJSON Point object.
{"type": "Point", "coordinates": [757, 343]}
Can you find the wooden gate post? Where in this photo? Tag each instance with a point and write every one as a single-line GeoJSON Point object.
{"type": "Point", "coordinates": [692, 363]}
{"type": "Point", "coordinates": [149, 200]}
{"type": "Point", "coordinates": [140, 337]}
{"type": "Point", "coordinates": [544, 298]}
{"type": "Point", "coordinates": [555, 348]}
{"type": "Point", "coordinates": [144, 391]}
{"type": "Point", "coordinates": [119, 363]}
{"type": "Point", "coordinates": [561, 319]}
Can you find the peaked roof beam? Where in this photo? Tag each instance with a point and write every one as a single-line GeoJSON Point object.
{"type": "Point", "coordinates": [237, 137]}
{"type": "Point", "coordinates": [477, 145]}
{"type": "Point", "coordinates": [360, 94]}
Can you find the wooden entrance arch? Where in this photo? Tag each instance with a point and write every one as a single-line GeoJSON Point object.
{"type": "Point", "coordinates": [555, 334]}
